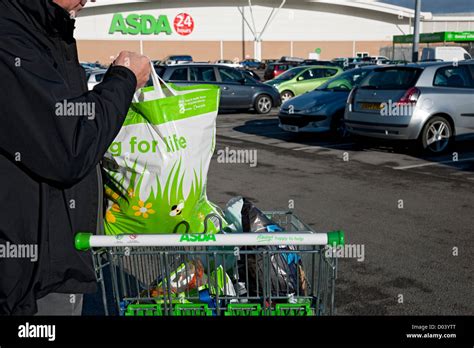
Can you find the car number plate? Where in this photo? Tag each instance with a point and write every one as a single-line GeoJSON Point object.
{"type": "Point", "coordinates": [371, 106]}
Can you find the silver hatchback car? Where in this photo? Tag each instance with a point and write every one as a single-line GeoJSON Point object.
{"type": "Point", "coordinates": [428, 102]}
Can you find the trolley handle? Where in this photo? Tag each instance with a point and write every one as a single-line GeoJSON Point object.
{"type": "Point", "coordinates": [85, 241]}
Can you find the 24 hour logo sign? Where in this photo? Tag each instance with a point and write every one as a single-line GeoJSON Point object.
{"type": "Point", "coordinates": [135, 24]}
{"type": "Point", "coordinates": [184, 24]}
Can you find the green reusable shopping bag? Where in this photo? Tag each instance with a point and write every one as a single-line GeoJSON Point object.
{"type": "Point", "coordinates": [159, 162]}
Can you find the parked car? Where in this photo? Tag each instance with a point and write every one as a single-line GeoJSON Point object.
{"type": "Point", "coordinates": [358, 65]}
{"type": "Point", "coordinates": [274, 70]}
{"type": "Point", "coordinates": [354, 60]}
{"type": "Point", "coordinates": [303, 79]}
{"type": "Point", "coordinates": [318, 62]}
{"type": "Point", "coordinates": [177, 59]}
{"type": "Point", "coordinates": [230, 63]}
{"type": "Point", "coordinates": [322, 110]}
{"type": "Point", "coordinates": [265, 63]}
{"type": "Point", "coordinates": [238, 90]}
{"type": "Point", "coordinates": [94, 77]}
{"type": "Point", "coordinates": [378, 60]}
{"type": "Point", "coordinates": [430, 103]}
{"type": "Point", "coordinates": [287, 59]}
{"type": "Point", "coordinates": [251, 63]}
{"type": "Point", "coordinates": [341, 62]}
{"type": "Point", "coordinates": [399, 61]}
{"type": "Point", "coordinates": [444, 53]}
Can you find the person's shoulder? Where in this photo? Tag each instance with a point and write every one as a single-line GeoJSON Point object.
{"type": "Point", "coordinates": [16, 29]}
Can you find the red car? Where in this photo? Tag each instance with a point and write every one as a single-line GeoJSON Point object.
{"type": "Point", "coordinates": [275, 69]}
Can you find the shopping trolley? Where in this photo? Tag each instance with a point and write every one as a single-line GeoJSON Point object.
{"type": "Point", "coordinates": [233, 274]}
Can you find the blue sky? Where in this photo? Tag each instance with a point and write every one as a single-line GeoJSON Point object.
{"type": "Point", "coordinates": [437, 6]}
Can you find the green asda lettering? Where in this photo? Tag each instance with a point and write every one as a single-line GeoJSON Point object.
{"type": "Point", "coordinates": [135, 24]}
{"type": "Point", "coordinates": [197, 238]}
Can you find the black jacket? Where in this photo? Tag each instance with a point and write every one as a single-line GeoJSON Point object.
{"type": "Point", "coordinates": [49, 184]}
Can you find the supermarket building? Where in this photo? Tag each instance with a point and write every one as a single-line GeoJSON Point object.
{"type": "Point", "coordinates": [224, 29]}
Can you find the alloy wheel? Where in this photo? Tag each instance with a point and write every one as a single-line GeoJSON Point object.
{"type": "Point", "coordinates": [264, 105]}
{"type": "Point", "coordinates": [437, 136]}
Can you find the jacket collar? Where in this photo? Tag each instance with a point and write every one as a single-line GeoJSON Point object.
{"type": "Point", "coordinates": [48, 16]}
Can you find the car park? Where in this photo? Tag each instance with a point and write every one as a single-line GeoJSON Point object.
{"type": "Point", "coordinates": [322, 110]}
{"type": "Point", "coordinates": [238, 90]}
{"type": "Point", "coordinates": [428, 103]}
{"type": "Point", "coordinates": [302, 79]}
{"type": "Point", "coordinates": [274, 70]}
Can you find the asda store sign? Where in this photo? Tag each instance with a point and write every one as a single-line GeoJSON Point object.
{"type": "Point", "coordinates": [146, 24]}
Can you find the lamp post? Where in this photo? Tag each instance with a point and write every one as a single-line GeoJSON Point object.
{"type": "Point", "coordinates": [416, 32]}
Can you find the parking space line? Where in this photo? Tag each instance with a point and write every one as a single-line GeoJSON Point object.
{"type": "Point", "coordinates": [323, 146]}
{"type": "Point", "coordinates": [262, 134]}
{"type": "Point", "coordinates": [432, 164]}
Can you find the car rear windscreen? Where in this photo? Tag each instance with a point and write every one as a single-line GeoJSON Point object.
{"type": "Point", "coordinates": [182, 58]}
{"type": "Point", "coordinates": [393, 78]}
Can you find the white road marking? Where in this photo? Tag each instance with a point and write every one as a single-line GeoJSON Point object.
{"type": "Point", "coordinates": [323, 146]}
{"type": "Point", "coordinates": [261, 134]}
{"type": "Point", "coordinates": [433, 164]}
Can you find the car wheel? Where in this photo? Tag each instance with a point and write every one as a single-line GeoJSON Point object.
{"type": "Point", "coordinates": [436, 136]}
{"type": "Point", "coordinates": [338, 126]}
{"type": "Point", "coordinates": [263, 104]}
{"type": "Point", "coordinates": [286, 95]}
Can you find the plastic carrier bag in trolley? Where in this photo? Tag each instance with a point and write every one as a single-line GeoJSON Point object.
{"type": "Point", "coordinates": [157, 166]}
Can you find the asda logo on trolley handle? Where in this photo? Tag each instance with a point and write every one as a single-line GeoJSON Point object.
{"type": "Point", "coordinates": [190, 238]}
{"type": "Point", "coordinates": [146, 24]}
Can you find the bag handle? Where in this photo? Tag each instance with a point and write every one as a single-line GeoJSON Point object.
{"type": "Point", "coordinates": [157, 92]}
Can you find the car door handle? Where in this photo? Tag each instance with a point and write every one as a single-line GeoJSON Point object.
{"type": "Point", "coordinates": [225, 88]}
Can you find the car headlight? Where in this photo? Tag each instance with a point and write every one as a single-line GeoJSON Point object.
{"type": "Point", "coordinates": [316, 108]}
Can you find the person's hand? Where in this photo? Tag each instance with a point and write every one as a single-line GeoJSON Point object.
{"type": "Point", "coordinates": [140, 66]}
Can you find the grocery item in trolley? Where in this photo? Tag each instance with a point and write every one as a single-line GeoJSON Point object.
{"type": "Point", "coordinates": [190, 278]}
{"type": "Point", "coordinates": [187, 277]}
{"type": "Point", "coordinates": [157, 165]}
{"type": "Point", "coordinates": [287, 275]}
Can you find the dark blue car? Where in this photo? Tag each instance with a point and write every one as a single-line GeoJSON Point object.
{"type": "Point", "coordinates": [251, 64]}
{"type": "Point", "coordinates": [322, 110]}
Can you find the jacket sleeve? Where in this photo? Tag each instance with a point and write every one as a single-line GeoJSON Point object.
{"type": "Point", "coordinates": [54, 135]}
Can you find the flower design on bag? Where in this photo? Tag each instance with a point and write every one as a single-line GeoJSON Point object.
{"type": "Point", "coordinates": [201, 216]}
{"type": "Point", "coordinates": [112, 194]}
{"type": "Point", "coordinates": [131, 194]}
{"type": "Point", "coordinates": [143, 209]}
{"type": "Point", "coordinates": [109, 217]}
